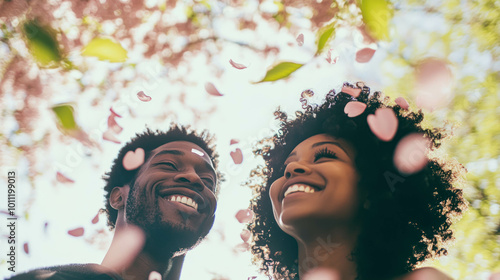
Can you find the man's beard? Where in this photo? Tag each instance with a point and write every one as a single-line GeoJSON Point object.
{"type": "Point", "coordinates": [162, 236]}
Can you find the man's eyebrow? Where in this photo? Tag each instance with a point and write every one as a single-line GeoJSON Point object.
{"type": "Point", "coordinates": [330, 142]}
{"type": "Point", "coordinates": [170, 152]}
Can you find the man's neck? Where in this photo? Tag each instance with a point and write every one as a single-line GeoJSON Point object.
{"type": "Point", "coordinates": [143, 265]}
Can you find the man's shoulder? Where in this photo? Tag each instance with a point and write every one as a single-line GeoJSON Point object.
{"type": "Point", "coordinates": [69, 272]}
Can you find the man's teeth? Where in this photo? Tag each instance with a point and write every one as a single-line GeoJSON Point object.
{"type": "Point", "coordinates": [299, 188]}
{"type": "Point", "coordinates": [184, 200]}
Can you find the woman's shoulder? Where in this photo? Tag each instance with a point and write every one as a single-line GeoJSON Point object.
{"type": "Point", "coordinates": [425, 273]}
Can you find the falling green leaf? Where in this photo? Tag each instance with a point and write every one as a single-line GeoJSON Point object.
{"type": "Point", "coordinates": [281, 71]}
{"type": "Point", "coordinates": [105, 49]}
{"type": "Point", "coordinates": [42, 43]}
{"type": "Point", "coordinates": [376, 15]}
{"type": "Point", "coordinates": [64, 113]}
{"type": "Point", "coordinates": [323, 38]}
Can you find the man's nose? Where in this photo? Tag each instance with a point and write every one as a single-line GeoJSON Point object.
{"type": "Point", "coordinates": [191, 179]}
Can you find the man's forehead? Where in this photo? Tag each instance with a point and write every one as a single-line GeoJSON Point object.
{"type": "Point", "coordinates": [184, 147]}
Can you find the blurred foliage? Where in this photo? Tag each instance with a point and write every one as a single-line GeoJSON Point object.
{"type": "Point", "coordinates": [35, 35]}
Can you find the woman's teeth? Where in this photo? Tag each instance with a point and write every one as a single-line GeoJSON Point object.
{"type": "Point", "coordinates": [184, 200]}
{"type": "Point", "coordinates": [299, 188]}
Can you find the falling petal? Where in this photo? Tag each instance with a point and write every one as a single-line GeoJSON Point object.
{"type": "Point", "coordinates": [245, 235]}
{"type": "Point", "coordinates": [114, 113]}
{"type": "Point", "coordinates": [63, 179]}
{"type": "Point", "coordinates": [105, 49]}
{"type": "Point", "coordinates": [410, 155]}
{"type": "Point", "coordinates": [237, 156]}
{"type": "Point", "coordinates": [95, 220]}
{"type": "Point", "coordinates": [143, 97]}
{"type": "Point", "coordinates": [212, 90]}
{"type": "Point", "coordinates": [402, 103]}
{"type": "Point", "coordinates": [244, 216]}
{"type": "Point", "coordinates": [495, 276]}
{"type": "Point", "coordinates": [332, 57]}
{"type": "Point", "coordinates": [45, 226]}
{"type": "Point", "coordinates": [26, 248]}
{"type": "Point", "coordinates": [383, 124]}
{"type": "Point", "coordinates": [354, 108]}
{"type": "Point", "coordinates": [234, 141]}
{"type": "Point", "coordinates": [242, 247]}
{"type": "Point", "coordinates": [322, 274]}
{"type": "Point", "coordinates": [126, 245]}
{"type": "Point", "coordinates": [235, 65]}
{"type": "Point", "coordinates": [108, 135]}
{"type": "Point", "coordinates": [76, 232]}
{"type": "Point", "coordinates": [364, 55]}
{"type": "Point", "coordinates": [132, 160]}
{"type": "Point", "coordinates": [351, 91]}
{"type": "Point", "coordinates": [113, 125]}
{"type": "Point", "coordinates": [154, 275]}
{"type": "Point", "coordinates": [300, 39]}
{"type": "Point", "coordinates": [434, 84]}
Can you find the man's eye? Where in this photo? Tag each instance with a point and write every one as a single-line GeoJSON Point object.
{"type": "Point", "coordinates": [324, 153]}
{"type": "Point", "coordinates": [168, 165]}
{"type": "Point", "coordinates": [208, 181]}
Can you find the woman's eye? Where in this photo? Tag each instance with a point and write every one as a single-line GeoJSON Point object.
{"type": "Point", "coordinates": [324, 153]}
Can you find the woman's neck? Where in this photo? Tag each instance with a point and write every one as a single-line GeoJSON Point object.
{"type": "Point", "coordinates": [329, 249]}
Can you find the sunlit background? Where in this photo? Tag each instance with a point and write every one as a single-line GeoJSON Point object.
{"type": "Point", "coordinates": [65, 64]}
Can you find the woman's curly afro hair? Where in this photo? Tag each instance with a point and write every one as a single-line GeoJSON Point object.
{"type": "Point", "coordinates": [409, 217]}
{"type": "Point", "coordinates": [150, 140]}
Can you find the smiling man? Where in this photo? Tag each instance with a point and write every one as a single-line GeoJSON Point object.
{"type": "Point", "coordinates": [160, 200]}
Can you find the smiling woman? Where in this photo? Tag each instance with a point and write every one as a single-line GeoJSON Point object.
{"type": "Point", "coordinates": [347, 191]}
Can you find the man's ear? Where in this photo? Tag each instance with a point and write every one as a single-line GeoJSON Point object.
{"type": "Point", "coordinates": [118, 197]}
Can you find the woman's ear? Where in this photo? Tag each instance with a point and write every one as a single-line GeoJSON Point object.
{"type": "Point", "coordinates": [118, 197]}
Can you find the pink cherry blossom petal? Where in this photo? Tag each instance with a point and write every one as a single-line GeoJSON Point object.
{"type": "Point", "coordinates": [114, 113]}
{"type": "Point", "coordinates": [242, 247]}
{"type": "Point", "coordinates": [332, 57]}
{"type": "Point", "coordinates": [143, 97]}
{"type": "Point", "coordinates": [63, 179]}
{"type": "Point", "coordinates": [245, 235]}
{"type": "Point", "coordinates": [113, 125]}
{"type": "Point", "coordinates": [434, 84]}
{"type": "Point", "coordinates": [126, 245]}
{"type": "Point", "coordinates": [95, 220]}
{"type": "Point", "coordinates": [364, 55]}
{"type": "Point", "coordinates": [383, 124]}
{"type": "Point", "coordinates": [211, 89]}
{"type": "Point", "coordinates": [300, 39]}
{"type": "Point", "coordinates": [234, 141]}
{"type": "Point", "coordinates": [244, 215]}
{"type": "Point", "coordinates": [322, 273]}
{"type": "Point", "coordinates": [26, 248]}
{"type": "Point", "coordinates": [77, 232]}
{"type": "Point", "coordinates": [235, 65]}
{"type": "Point", "coordinates": [354, 108]}
{"type": "Point", "coordinates": [154, 275]}
{"type": "Point", "coordinates": [133, 160]}
{"type": "Point", "coordinates": [494, 276]}
{"type": "Point", "coordinates": [237, 156]}
{"type": "Point", "coordinates": [410, 155]}
{"type": "Point", "coordinates": [351, 91]}
{"type": "Point", "coordinates": [109, 135]}
{"type": "Point", "coordinates": [402, 103]}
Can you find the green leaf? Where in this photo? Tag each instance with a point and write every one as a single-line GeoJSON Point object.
{"type": "Point", "coordinates": [105, 49]}
{"type": "Point", "coordinates": [280, 71]}
{"type": "Point", "coordinates": [376, 15]}
{"type": "Point", "coordinates": [64, 113]}
{"type": "Point", "coordinates": [323, 38]}
{"type": "Point", "coordinates": [42, 44]}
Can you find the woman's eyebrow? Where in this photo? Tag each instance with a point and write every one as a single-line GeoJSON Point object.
{"type": "Point", "coordinates": [330, 142]}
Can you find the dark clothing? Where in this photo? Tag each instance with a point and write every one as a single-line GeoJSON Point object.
{"type": "Point", "coordinates": [69, 272]}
